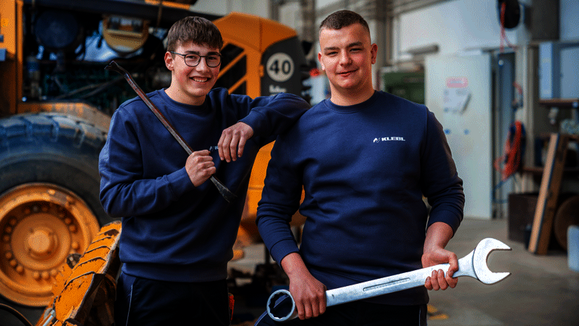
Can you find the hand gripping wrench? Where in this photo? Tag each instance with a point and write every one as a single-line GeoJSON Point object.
{"type": "Point", "coordinates": [281, 305]}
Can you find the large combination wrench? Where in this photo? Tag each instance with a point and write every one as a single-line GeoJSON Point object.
{"type": "Point", "coordinates": [281, 305]}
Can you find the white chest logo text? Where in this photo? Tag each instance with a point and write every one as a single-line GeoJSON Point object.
{"type": "Point", "coordinates": [383, 139]}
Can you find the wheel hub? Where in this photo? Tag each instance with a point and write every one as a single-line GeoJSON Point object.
{"type": "Point", "coordinates": [40, 225]}
{"type": "Point", "coordinates": [41, 242]}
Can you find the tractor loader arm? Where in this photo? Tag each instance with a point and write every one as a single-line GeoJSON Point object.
{"type": "Point", "coordinates": [84, 294]}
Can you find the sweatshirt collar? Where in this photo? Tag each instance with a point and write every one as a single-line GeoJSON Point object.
{"type": "Point", "coordinates": [174, 105]}
{"type": "Point", "coordinates": [351, 108]}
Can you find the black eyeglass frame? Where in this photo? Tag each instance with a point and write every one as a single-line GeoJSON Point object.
{"type": "Point", "coordinates": [200, 56]}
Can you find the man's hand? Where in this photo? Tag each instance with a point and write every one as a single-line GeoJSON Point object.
{"type": "Point", "coordinates": [438, 281]}
{"type": "Point", "coordinates": [200, 167]}
{"type": "Point", "coordinates": [232, 141]}
{"type": "Point", "coordinates": [309, 294]}
{"type": "Point", "coordinates": [437, 238]}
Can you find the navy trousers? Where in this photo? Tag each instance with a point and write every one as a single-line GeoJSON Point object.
{"type": "Point", "coordinates": [146, 302]}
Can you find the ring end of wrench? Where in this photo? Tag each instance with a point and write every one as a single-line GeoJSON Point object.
{"type": "Point", "coordinates": [281, 306]}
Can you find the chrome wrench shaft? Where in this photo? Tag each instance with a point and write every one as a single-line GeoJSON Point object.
{"type": "Point", "coordinates": [391, 284]}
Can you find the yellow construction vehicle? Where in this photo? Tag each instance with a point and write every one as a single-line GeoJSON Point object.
{"type": "Point", "coordinates": [56, 100]}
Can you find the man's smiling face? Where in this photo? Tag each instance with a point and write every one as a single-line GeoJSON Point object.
{"type": "Point", "coordinates": [190, 85]}
{"type": "Point", "coordinates": [347, 55]}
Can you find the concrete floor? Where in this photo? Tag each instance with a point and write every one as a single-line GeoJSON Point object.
{"type": "Point", "coordinates": [541, 290]}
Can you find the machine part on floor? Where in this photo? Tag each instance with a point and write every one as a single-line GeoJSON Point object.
{"type": "Point", "coordinates": [565, 217]}
{"type": "Point", "coordinates": [85, 294]}
{"type": "Point", "coordinates": [225, 193]}
{"type": "Point", "coordinates": [281, 305]}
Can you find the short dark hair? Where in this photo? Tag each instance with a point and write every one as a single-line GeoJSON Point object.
{"type": "Point", "coordinates": [343, 18]}
{"type": "Point", "coordinates": [193, 28]}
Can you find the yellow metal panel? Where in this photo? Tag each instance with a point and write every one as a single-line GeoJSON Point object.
{"type": "Point", "coordinates": [259, 33]}
{"type": "Point", "coordinates": [169, 4]}
{"type": "Point", "coordinates": [8, 25]}
{"type": "Point", "coordinates": [11, 69]}
{"type": "Point", "coordinates": [231, 25]}
{"type": "Point", "coordinates": [254, 34]}
{"type": "Point", "coordinates": [255, 188]}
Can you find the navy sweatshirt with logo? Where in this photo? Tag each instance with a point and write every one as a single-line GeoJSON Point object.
{"type": "Point", "coordinates": [172, 230]}
{"type": "Point", "coordinates": [364, 169]}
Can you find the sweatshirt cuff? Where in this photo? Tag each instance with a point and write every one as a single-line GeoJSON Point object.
{"type": "Point", "coordinates": [447, 217]}
{"type": "Point", "coordinates": [283, 248]}
{"type": "Point", "coordinates": [179, 182]}
{"type": "Point", "coordinates": [258, 122]}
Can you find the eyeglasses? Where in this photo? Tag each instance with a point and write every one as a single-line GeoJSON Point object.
{"type": "Point", "coordinates": [192, 60]}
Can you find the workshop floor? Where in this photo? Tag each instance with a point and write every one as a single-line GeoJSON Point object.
{"type": "Point", "coordinates": [541, 290]}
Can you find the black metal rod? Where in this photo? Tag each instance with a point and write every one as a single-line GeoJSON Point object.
{"type": "Point", "coordinates": [226, 193]}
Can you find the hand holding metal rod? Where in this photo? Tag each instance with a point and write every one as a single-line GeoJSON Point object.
{"type": "Point", "coordinates": [226, 193]}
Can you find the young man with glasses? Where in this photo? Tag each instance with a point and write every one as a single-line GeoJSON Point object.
{"type": "Point", "coordinates": [177, 230]}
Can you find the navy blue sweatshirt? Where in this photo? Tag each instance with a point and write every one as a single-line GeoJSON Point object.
{"type": "Point", "coordinates": [172, 230]}
{"type": "Point", "coordinates": [364, 169]}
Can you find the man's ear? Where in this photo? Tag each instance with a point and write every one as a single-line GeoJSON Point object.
{"type": "Point", "coordinates": [320, 60]}
{"type": "Point", "coordinates": [169, 62]}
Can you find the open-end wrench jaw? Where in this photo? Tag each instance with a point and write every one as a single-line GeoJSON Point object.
{"type": "Point", "coordinates": [479, 261]}
{"type": "Point", "coordinates": [475, 263]}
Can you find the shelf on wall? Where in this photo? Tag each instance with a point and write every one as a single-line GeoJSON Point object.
{"type": "Point", "coordinates": [539, 170]}
{"type": "Point", "coordinates": [562, 103]}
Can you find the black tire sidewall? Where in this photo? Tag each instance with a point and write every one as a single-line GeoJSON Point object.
{"type": "Point", "coordinates": [59, 159]}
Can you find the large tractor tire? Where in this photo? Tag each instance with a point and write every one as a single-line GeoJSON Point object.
{"type": "Point", "coordinates": [49, 200]}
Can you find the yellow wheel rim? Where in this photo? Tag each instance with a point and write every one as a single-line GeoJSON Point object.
{"type": "Point", "coordinates": [40, 225]}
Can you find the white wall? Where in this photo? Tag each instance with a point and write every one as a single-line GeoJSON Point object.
{"type": "Point", "coordinates": [324, 3]}
{"type": "Point", "coordinates": [569, 25]}
{"type": "Point", "coordinates": [290, 15]}
{"type": "Point", "coordinates": [455, 26]}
